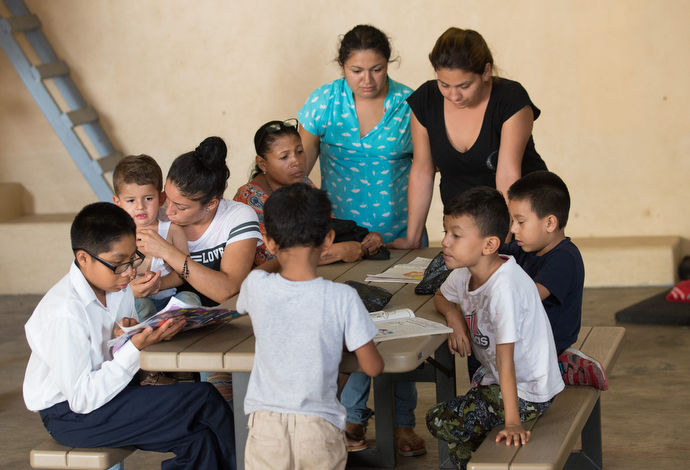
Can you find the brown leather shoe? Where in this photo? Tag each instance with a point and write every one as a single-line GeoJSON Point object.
{"type": "Point", "coordinates": [158, 378]}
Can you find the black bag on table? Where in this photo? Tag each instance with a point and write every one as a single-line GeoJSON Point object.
{"type": "Point", "coordinates": [434, 275]}
{"type": "Point", "coordinates": [374, 298]}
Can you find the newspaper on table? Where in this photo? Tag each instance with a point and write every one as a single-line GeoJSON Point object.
{"type": "Point", "coordinates": [196, 318]}
{"type": "Point", "coordinates": [402, 323]}
{"type": "Point", "coordinates": [411, 273]}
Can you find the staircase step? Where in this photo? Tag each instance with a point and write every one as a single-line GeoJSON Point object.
{"type": "Point", "coordinates": [81, 116]}
{"type": "Point", "coordinates": [11, 201]}
{"type": "Point", "coordinates": [54, 69]}
{"type": "Point", "coordinates": [630, 261]}
{"type": "Point", "coordinates": [23, 23]}
{"type": "Point", "coordinates": [108, 163]}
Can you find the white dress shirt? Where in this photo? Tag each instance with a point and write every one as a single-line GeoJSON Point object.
{"type": "Point", "coordinates": [70, 360]}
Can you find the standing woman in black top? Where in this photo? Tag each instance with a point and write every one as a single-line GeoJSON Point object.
{"type": "Point", "coordinates": [474, 127]}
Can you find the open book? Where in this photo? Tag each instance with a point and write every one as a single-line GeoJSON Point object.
{"type": "Point", "coordinates": [411, 273]}
{"type": "Point", "coordinates": [402, 323]}
{"type": "Point", "coordinates": [196, 318]}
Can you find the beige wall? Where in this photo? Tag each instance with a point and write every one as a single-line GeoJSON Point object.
{"type": "Point", "coordinates": [610, 78]}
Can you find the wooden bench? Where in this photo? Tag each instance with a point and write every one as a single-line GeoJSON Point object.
{"type": "Point", "coordinates": [50, 454]}
{"type": "Point", "coordinates": [575, 412]}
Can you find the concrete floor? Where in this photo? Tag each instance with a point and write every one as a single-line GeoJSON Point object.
{"type": "Point", "coordinates": [643, 414]}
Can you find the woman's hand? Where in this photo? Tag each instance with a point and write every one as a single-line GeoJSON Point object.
{"type": "Point", "coordinates": [152, 244]}
{"type": "Point", "coordinates": [348, 252]}
{"type": "Point", "coordinates": [404, 243]}
{"type": "Point", "coordinates": [371, 243]}
{"type": "Point", "coordinates": [146, 285]}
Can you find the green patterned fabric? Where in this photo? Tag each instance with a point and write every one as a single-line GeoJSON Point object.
{"type": "Point", "coordinates": [464, 421]}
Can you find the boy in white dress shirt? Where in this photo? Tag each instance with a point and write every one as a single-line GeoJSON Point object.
{"type": "Point", "coordinates": [84, 393]}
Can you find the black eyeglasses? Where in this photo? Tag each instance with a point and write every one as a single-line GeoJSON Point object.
{"type": "Point", "coordinates": [122, 267]}
{"type": "Point", "coordinates": [275, 127]}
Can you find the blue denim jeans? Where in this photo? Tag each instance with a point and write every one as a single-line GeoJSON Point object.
{"type": "Point", "coordinates": [356, 393]}
{"type": "Point", "coordinates": [146, 307]}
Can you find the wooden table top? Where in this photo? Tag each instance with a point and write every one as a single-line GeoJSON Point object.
{"type": "Point", "coordinates": [229, 347]}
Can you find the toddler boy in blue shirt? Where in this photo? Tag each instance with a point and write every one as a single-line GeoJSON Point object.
{"type": "Point", "coordinates": [539, 204]}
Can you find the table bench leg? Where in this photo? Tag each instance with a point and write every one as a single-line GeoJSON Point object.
{"type": "Point", "coordinates": [240, 381]}
{"type": "Point", "coordinates": [445, 390]}
{"type": "Point", "coordinates": [590, 457]}
{"type": "Point", "coordinates": [383, 456]}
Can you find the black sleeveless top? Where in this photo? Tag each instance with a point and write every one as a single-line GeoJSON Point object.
{"type": "Point", "coordinates": [476, 167]}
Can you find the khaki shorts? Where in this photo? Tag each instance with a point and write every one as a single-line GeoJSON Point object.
{"type": "Point", "coordinates": [281, 441]}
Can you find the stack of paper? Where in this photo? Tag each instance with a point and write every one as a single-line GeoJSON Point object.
{"type": "Point", "coordinates": [411, 273]}
{"type": "Point", "coordinates": [402, 323]}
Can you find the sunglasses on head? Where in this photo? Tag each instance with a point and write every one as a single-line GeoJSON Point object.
{"type": "Point", "coordinates": [275, 127]}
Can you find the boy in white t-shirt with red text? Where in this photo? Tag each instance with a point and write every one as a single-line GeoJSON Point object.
{"type": "Point", "coordinates": [492, 304]}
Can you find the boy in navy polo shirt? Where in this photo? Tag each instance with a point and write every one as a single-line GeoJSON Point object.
{"type": "Point", "coordinates": [539, 204]}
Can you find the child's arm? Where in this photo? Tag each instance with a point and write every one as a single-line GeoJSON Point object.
{"type": "Point", "coordinates": [543, 292]}
{"type": "Point", "coordinates": [459, 340]}
{"type": "Point", "coordinates": [369, 359]}
{"type": "Point", "coordinates": [513, 432]}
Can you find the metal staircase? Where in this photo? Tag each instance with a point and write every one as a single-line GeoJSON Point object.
{"type": "Point", "coordinates": [77, 112]}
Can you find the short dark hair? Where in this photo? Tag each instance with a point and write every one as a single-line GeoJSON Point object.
{"type": "Point", "coordinates": [202, 175]}
{"type": "Point", "coordinates": [137, 169]}
{"type": "Point", "coordinates": [297, 215]}
{"type": "Point", "coordinates": [98, 226]}
{"type": "Point", "coordinates": [486, 206]}
{"type": "Point", "coordinates": [363, 37]}
{"type": "Point", "coordinates": [546, 193]}
{"type": "Point", "coordinates": [461, 49]}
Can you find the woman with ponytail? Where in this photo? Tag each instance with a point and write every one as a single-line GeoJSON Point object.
{"type": "Point", "coordinates": [222, 235]}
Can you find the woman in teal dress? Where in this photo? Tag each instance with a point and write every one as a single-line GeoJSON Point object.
{"type": "Point", "coordinates": [359, 128]}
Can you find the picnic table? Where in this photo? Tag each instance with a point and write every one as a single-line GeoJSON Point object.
{"type": "Point", "coordinates": [229, 347]}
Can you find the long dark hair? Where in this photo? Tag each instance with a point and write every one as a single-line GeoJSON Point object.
{"type": "Point", "coordinates": [463, 49]}
{"type": "Point", "coordinates": [202, 175]}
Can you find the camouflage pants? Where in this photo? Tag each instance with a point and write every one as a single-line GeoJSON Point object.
{"type": "Point", "coordinates": [464, 421]}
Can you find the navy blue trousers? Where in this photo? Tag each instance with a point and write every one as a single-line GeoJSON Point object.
{"type": "Point", "coordinates": [192, 420]}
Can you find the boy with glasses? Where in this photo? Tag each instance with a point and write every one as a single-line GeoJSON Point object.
{"type": "Point", "coordinates": [84, 393]}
